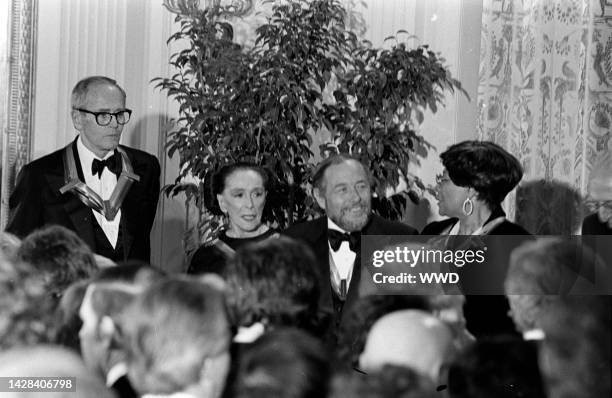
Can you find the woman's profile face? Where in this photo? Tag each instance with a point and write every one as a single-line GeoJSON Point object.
{"type": "Point", "coordinates": [450, 196]}
{"type": "Point", "coordinates": [243, 199]}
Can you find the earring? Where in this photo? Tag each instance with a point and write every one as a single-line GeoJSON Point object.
{"type": "Point", "coordinates": [468, 203]}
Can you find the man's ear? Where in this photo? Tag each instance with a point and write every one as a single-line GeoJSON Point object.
{"type": "Point", "coordinates": [76, 119]}
{"type": "Point", "coordinates": [319, 197]}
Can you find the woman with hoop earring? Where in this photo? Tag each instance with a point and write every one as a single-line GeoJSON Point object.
{"type": "Point", "coordinates": [477, 177]}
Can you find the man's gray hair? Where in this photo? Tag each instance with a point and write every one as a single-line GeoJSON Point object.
{"type": "Point", "coordinates": [318, 174]}
{"type": "Point", "coordinates": [80, 90]}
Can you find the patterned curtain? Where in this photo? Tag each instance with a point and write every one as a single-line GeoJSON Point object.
{"type": "Point", "coordinates": [545, 95]}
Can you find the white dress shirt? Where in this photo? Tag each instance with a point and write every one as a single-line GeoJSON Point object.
{"type": "Point", "coordinates": [119, 370]}
{"type": "Point", "coordinates": [341, 266]}
{"type": "Point", "coordinates": [103, 186]}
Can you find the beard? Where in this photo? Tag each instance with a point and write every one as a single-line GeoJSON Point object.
{"type": "Point", "coordinates": [353, 218]}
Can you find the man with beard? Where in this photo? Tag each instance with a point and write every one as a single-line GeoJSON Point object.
{"type": "Point", "coordinates": [342, 187]}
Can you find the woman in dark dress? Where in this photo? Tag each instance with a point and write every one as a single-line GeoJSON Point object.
{"type": "Point", "coordinates": [477, 177]}
{"type": "Point", "coordinates": [237, 191]}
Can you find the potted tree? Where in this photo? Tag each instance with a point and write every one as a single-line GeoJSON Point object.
{"type": "Point", "coordinates": [307, 72]}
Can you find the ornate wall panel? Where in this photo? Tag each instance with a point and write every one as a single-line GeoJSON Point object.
{"type": "Point", "coordinates": [544, 96]}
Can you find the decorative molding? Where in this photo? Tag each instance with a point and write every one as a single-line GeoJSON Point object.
{"type": "Point", "coordinates": [17, 126]}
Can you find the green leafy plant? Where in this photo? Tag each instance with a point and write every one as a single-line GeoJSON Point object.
{"type": "Point", "coordinates": [306, 73]}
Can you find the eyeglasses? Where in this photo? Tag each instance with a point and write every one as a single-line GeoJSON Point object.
{"type": "Point", "coordinates": [104, 118]}
{"type": "Point", "coordinates": [595, 205]}
{"type": "Point", "coordinates": [441, 179]}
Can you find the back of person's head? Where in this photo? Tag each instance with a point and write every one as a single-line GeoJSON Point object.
{"type": "Point", "coordinates": [409, 338]}
{"type": "Point", "coordinates": [366, 311]}
{"type": "Point", "coordinates": [100, 312]}
{"type": "Point", "coordinates": [575, 354]}
{"type": "Point", "coordinates": [26, 308]}
{"type": "Point", "coordinates": [177, 336]}
{"type": "Point", "coordinates": [132, 272]}
{"type": "Point", "coordinates": [59, 255]}
{"type": "Point", "coordinates": [504, 367]}
{"type": "Point", "coordinates": [542, 270]}
{"type": "Point", "coordinates": [285, 363]}
{"type": "Point", "coordinates": [51, 361]}
{"type": "Point", "coordinates": [213, 261]}
{"type": "Point", "coordinates": [389, 382]}
{"type": "Point", "coordinates": [274, 282]}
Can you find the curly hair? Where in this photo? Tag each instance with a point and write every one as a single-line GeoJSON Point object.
{"type": "Point", "coordinates": [274, 280]}
{"type": "Point", "coordinates": [484, 166]}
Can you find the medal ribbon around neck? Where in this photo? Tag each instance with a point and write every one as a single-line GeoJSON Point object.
{"type": "Point", "coordinates": [108, 208]}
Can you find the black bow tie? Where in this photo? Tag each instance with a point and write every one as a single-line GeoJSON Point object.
{"type": "Point", "coordinates": [336, 238]}
{"type": "Point", "coordinates": [113, 164]}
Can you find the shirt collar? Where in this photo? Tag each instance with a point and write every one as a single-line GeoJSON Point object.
{"type": "Point", "coordinates": [115, 373]}
{"type": "Point", "coordinates": [86, 155]}
{"type": "Point", "coordinates": [333, 225]}
{"type": "Point", "coordinates": [534, 334]}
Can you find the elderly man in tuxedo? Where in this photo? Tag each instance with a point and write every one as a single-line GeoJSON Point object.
{"type": "Point", "coordinates": [107, 193]}
{"type": "Point", "coordinates": [342, 187]}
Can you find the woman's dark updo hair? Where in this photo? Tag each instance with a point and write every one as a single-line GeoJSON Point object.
{"type": "Point", "coordinates": [214, 182]}
{"type": "Point", "coordinates": [484, 166]}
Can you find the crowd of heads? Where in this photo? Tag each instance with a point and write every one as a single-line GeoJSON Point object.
{"type": "Point", "coordinates": [254, 330]}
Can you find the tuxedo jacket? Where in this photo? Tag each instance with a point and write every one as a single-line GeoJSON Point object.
{"type": "Point", "coordinates": [486, 309]}
{"type": "Point", "coordinates": [37, 201]}
{"type": "Point", "coordinates": [314, 234]}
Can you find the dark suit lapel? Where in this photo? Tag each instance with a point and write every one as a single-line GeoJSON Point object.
{"type": "Point", "coordinates": [372, 228]}
{"type": "Point", "coordinates": [79, 214]}
{"type": "Point", "coordinates": [128, 222]}
{"type": "Point", "coordinates": [321, 249]}
{"type": "Point", "coordinates": [130, 209]}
